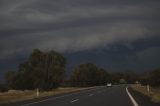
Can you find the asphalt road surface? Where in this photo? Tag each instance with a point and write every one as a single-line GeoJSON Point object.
{"type": "Point", "coordinates": [98, 96]}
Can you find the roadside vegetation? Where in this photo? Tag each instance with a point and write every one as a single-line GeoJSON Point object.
{"type": "Point", "coordinates": [46, 71]}
{"type": "Point", "coordinates": [154, 93]}
{"type": "Point", "coordinates": [18, 95]}
{"type": "Point", "coordinates": [151, 79]}
{"type": "Point", "coordinates": [42, 70]}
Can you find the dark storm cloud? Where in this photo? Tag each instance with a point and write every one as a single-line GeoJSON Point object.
{"type": "Point", "coordinates": [74, 25]}
{"type": "Point", "coordinates": [115, 34]}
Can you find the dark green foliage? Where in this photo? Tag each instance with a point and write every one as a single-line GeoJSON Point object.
{"type": "Point", "coordinates": [10, 78]}
{"type": "Point", "coordinates": [42, 70]}
{"type": "Point", "coordinates": [89, 75]}
{"type": "Point", "coordinates": [144, 79]}
{"type": "Point", "coordinates": [103, 77]}
{"type": "Point", "coordinates": [128, 77]}
{"type": "Point", "coordinates": [3, 88]}
{"type": "Point", "coordinates": [116, 76]}
{"type": "Point", "coordinates": [154, 79]}
{"type": "Point", "coordinates": [47, 71]}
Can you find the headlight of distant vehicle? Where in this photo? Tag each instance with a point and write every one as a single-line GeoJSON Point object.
{"type": "Point", "coordinates": [109, 85]}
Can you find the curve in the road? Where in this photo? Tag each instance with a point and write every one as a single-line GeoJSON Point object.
{"type": "Point", "coordinates": [131, 97]}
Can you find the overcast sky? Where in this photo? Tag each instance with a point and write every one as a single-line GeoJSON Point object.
{"type": "Point", "coordinates": [127, 30]}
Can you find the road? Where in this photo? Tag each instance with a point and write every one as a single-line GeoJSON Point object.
{"type": "Point", "coordinates": [98, 96]}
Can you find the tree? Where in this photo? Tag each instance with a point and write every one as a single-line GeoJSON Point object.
{"type": "Point", "coordinates": [9, 78]}
{"type": "Point", "coordinates": [41, 70]}
{"type": "Point", "coordinates": [116, 76]}
{"type": "Point", "coordinates": [144, 78]}
{"type": "Point", "coordinates": [54, 69]}
{"type": "Point", "coordinates": [88, 75]}
{"type": "Point", "coordinates": [103, 77]}
{"type": "Point", "coordinates": [130, 77]}
{"type": "Point", "coordinates": [154, 79]}
{"type": "Point", "coordinates": [84, 75]}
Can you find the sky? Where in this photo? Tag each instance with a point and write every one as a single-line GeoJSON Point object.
{"type": "Point", "coordinates": [114, 34]}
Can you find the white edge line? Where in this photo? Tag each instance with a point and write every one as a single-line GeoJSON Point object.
{"type": "Point", "coordinates": [131, 98]}
{"type": "Point", "coordinates": [89, 89]}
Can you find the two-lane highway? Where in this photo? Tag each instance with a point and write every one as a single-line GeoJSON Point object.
{"type": "Point", "coordinates": [98, 96]}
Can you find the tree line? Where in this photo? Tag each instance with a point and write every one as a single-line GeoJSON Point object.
{"type": "Point", "coordinates": [46, 70]}
{"type": "Point", "coordinates": [41, 70]}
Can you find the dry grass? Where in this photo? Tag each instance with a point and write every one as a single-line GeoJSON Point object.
{"type": "Point", "coordinates": [154, 92]}
{"type": "Point", "coordinates": [14, 96]}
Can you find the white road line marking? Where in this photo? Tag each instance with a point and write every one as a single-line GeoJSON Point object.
{"type": "Point", "coordinates": [46, 100]}
{"type": "Point", "coordinates": [74, 100]}
{"type": "Point", "coordinates": [131, 98]}
{"type": "Point", "coordinates": [91, 94]}
{"type": "Point", "coordinates": [54, 98]}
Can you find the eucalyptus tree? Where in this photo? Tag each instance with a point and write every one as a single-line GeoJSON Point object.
{"type": "Point", "coordinates": [44, 70]}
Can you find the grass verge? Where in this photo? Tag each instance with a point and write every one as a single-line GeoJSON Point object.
{"type": "Point", "coordinates": [154, 93]}
{"type": "Point", "coordinates": [16, 96]}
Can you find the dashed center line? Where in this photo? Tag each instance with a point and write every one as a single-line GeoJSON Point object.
{"type": "Point", "coordinates": [104, 91]}
{"type": "Point", "coordinates": [99, 92]}
{"type": "Point", "coordinates": [58, 97]}
{"type": "Point", "coordinates": [91, 94]}
{"type": "Point", "coordinates": [74, 100]}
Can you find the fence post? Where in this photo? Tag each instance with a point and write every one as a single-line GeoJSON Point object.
{"type": "Point", "coordinates": [37, 92]}
{"type": "Point", "coordinates": [148, 89]}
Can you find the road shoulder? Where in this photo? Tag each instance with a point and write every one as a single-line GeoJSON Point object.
{"type": "Point", "coordinates": [141, 99]}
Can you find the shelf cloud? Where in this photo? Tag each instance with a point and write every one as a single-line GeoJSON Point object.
{"type": "Point", "coordinates": [71, 26]}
